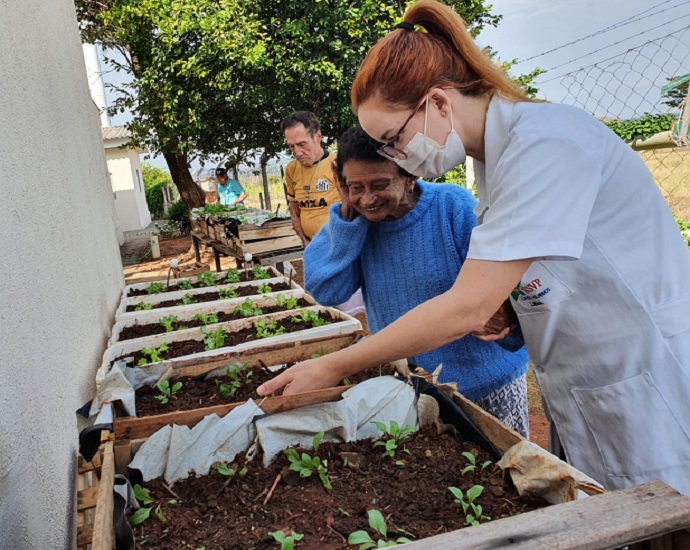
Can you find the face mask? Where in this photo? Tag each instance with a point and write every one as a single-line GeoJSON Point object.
{"type": "Point", "coordinates": [428, 159]}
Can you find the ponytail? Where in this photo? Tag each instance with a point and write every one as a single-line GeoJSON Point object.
{"type": "Point", "coordinates": [407, 63]}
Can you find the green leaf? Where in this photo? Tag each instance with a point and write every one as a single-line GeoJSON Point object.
{"type": "Point", "coordinates": [474, 492]}
{"type": "Point", "coordinates": [223, 469]}
{"type": "Point", "coordinates": [159, 514]}
{"type": "Point", "coordinates": [142, 495]}
{"type": "Point", "coordinates": [377, 523]}
{"type": "Point", "coordinates": [141, 515]}
{"type": "Point", "coordinates": [278, 536]}
{"type": "Point", "coordinates": [359, 537]}
{"type": "Point", "coordinates": [317, 441]}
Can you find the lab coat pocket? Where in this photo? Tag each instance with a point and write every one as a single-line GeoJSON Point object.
{"type": "Point", "coordinates": [633, 426]}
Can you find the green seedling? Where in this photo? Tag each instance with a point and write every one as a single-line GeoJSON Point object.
{"type": "Point", "coordinates": [307, 465]}
{"type": "Point", "coordinates": [260, 273]}
{"type": "Point", "coordinates": [154, 354]}
{"type": "Point", "coordinates": [322, 351]}
{"type": "Point", "coordinates": [207, 278]}
{"type": "Point", "coordinates": [167, 391]}
{"type": "Point", "coordinates": [213, 340]}
{"type": "Point", "coordinates": [232, 276]}
{"type": "Point", "coordinates": [168, 322]}
{"type": "Point", "coordinates": [287, 542]}
{"type": "Point", "coordinates": [378, 525]}
{"type": "Point", "coordinates": [223, 469]}
{"type": "Point", "coordinates": [264, 288]}
{"type": "Point", "coordinates": [472, 510]}
{"type": "Point", "coordinates": [214, 209]}
{"type": "Point", "coordinates": [394, 436]}
{"type": "Point", "coordinates": [155, 288]}
{"type": "Point", "coordinates": [188, 299]}
{"type": "Point", "coordinates": [147, 505]}
{"type": "Point", "coordinates": [247, 309]}
{"type": "Point", "coordinates": [227, 293]}
{"type": "Point", "coordinates": [234, 373]}
{"type": "Point", "coordinates": [310, 316]}
{"type": "Point", "coordinates": [206, 318]}
{"type": "Point", "coordinates": [287, 303]}
{"type": "Point", "coordinates": [265, 329]}
{"type": "Point", "coordinates": [185, 284]}
{"type": "Point", "coordinates": [141, 306]}
{"type": "Point", "coordinates": [473, 463]}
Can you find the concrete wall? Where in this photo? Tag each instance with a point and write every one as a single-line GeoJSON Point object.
{"type": "Point", "coordinates": [128, 185]}
{"type": "Point", "coordinates": [61, 275]}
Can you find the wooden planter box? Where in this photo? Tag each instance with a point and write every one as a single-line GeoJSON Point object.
{"type": "Point", "coordinates": [344, 325]}
{"type": "Point", "coordinates": [269, 237]}
{"type": "Point", "coordinates": [653, 512]}
{"type": "Point", "coordinates": [123, 315]}
{"type": "Point", "coordinates": [136, 428]}
{"type": "Point", "coordinates": [187, 313]}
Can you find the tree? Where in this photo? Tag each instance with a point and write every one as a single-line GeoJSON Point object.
{"type": "Point", "coordinates": [155, 180]}
{"type": "Point", "coordinates": [676, 96]}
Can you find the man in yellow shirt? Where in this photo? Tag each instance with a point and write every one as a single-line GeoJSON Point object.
{"type": "Point", "coordinates": [309, 178]}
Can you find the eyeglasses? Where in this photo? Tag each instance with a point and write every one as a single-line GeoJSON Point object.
{"type": "Point", "coordinates": [390, 151]}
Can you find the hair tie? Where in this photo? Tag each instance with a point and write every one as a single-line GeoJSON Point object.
{"type": "Point", "coordinates": [405, 25]}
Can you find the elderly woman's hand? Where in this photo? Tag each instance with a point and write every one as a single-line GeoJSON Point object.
{"type": "Point", "coordinates": [346, 210]}
{"type": "Point", "coordinates": [501, 324]}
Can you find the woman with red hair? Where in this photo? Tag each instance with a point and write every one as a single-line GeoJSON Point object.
{"type": "Point", "coordinates": [571, 228]}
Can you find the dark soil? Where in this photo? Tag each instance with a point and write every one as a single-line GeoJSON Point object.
{"type": "Point", "coordinates": [195, 394]}
{"type": "Point", "coordinates": [217, 512]}
{"type": "Point", "coordinates": [244, 276]}
{"type": "Point", "coordinates": [214, 296]}
{"type": "Point", "coordinates": [139, 331]}
{"type": "Point", "coordinates": [189, 347]}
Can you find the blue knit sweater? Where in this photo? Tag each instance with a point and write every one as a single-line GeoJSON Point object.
{"type": "Point", "coordinates": [401, 264]}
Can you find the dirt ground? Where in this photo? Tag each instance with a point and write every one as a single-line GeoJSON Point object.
{"type": "Point", "coordinates": [181, 249]}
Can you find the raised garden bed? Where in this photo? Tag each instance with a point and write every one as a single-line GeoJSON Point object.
{"type": "Point", "coordinates": [239, 336]}
{"type": "Point", "coordinates": [130, 308]}
{"type": "Point", "coordinates": [151, 322]}
{"type": "Point", "coordinates": [202, 280]}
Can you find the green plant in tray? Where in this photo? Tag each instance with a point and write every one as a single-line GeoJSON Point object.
{"type": "Point", "coordinates": [394, 436]}
{"type": "Point", "coordinates": [227, 293]}
{"type": "Point", "coordinates": [154, 354]}
{"type": "Point", "coordinates": [147, 505]}
{"type": "Point", "coordinates": [184, 284]}
{"type": "Point", "coordinates": [167, 392]}
{"type": "Point", "coordinates": [247, 309]}
{"type": "Point", "coordinates": [143, 306]}
{"type": "Point", "coordinates": [168, 322]}
{"type": "Point", "coordinates": [206, 318]}
{"type": "Point", "coordinates": [264, 288]}
{"type": "Point", "coordinates": [378, 525]}
{"type": "Point", "coordinates": [266, 329]}
{"type": "Point", "coordinates": [473, 463]}
{"type": "Point", "coordinates": [213, 340]}
{"type": "Point", "coordinates": [188, 299]}
{"type": "Point", "coordinates": [223, 469]}
{"type": "Point", "coordinates": [312, 317]}
{"type": "Point", "coordinates": [155, 288]}
{"type": "Point", "coordinates": [286, 303]}
{"type": "Point", "coordinates": [472, 510]}
{"type": "Point", "coordinates": [237, 377]}
{"type": "Point", "coordinates": [232, 276]}
{"type": "Point", "coordinates": [306, 465]}
{"type": "Point", "coordinates": [207, 278]}
{"type": "Point", "coordinates": [260, 273]}
{"type": "Point", "coordinates": [287, 542]}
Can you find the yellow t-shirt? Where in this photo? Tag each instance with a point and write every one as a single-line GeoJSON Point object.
{"type": "Point", "coordinates": [314, 190]}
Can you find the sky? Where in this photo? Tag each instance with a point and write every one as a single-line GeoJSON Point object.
{"type": "Point", "coordinates": [599, 75]}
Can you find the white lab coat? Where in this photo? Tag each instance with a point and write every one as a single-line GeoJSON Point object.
{"type": "Point", "coordinates": [605, 309]}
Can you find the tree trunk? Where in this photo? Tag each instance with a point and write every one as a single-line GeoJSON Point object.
{"type": "Point", "coordinates": [264, 177]}
{"type": "Point", "coordinates": [192, 195]}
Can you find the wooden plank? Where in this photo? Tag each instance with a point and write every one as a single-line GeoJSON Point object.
{"type": "Point", "coordinates": [87, 499]}
{"type": "Point", "coordinates": [85, 536]}
{"type": "Point", "coordinates": [608, 520]}
{"type": "Point", "coordinates": [269, 245]}
{"type": "Point", "coordinates": [497, 432]}
{"type": "Point", "coordinates": [282, 230]}
{"type": "Point", "coordinates": [136, 428]}
{"type": "Point", "coordinates": [288, 352]}
{"type": "Point", "coordinates": [281, 256]}
{"type": "Point", "coordinates": [123, 456]}
{"type": "Point", "coordinates": [103, 538]}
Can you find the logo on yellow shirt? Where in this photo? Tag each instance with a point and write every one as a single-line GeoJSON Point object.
{"type": "Point", "coordinates": [322, 185]}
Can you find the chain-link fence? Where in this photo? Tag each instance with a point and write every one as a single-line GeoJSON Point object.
{"type": "Point", "coordinates": [627, 87]}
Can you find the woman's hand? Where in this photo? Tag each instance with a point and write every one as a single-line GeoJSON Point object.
{"type": "Point", "coordinates": [346, 210]}
{"type": "Point", "coordinates": [501, 324]}
{"type": "Point", "coordinates": [314, 374]}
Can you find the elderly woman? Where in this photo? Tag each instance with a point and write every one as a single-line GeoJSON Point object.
{"type": "Point", "coordinates": [403, 241]}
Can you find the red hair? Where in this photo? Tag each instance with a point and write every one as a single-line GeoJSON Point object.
{"type": "Point", "coordinates": [405, 65]}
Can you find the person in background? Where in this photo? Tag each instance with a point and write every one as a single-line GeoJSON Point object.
{"type": "Point", "coordinates": [309, 178]}
{"type": "Point", "coordinates": [404, 241]}
{"type": "Point", "coordinates": [230, 191]}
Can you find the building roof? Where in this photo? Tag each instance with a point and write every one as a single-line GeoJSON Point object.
{"type": "Point", "coordinates": [115, 132]}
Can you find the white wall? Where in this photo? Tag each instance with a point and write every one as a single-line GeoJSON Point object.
{"type": "Point", "coordinates": [130, 202]}
{"type": "Point", "coordinates": [60, 275]}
